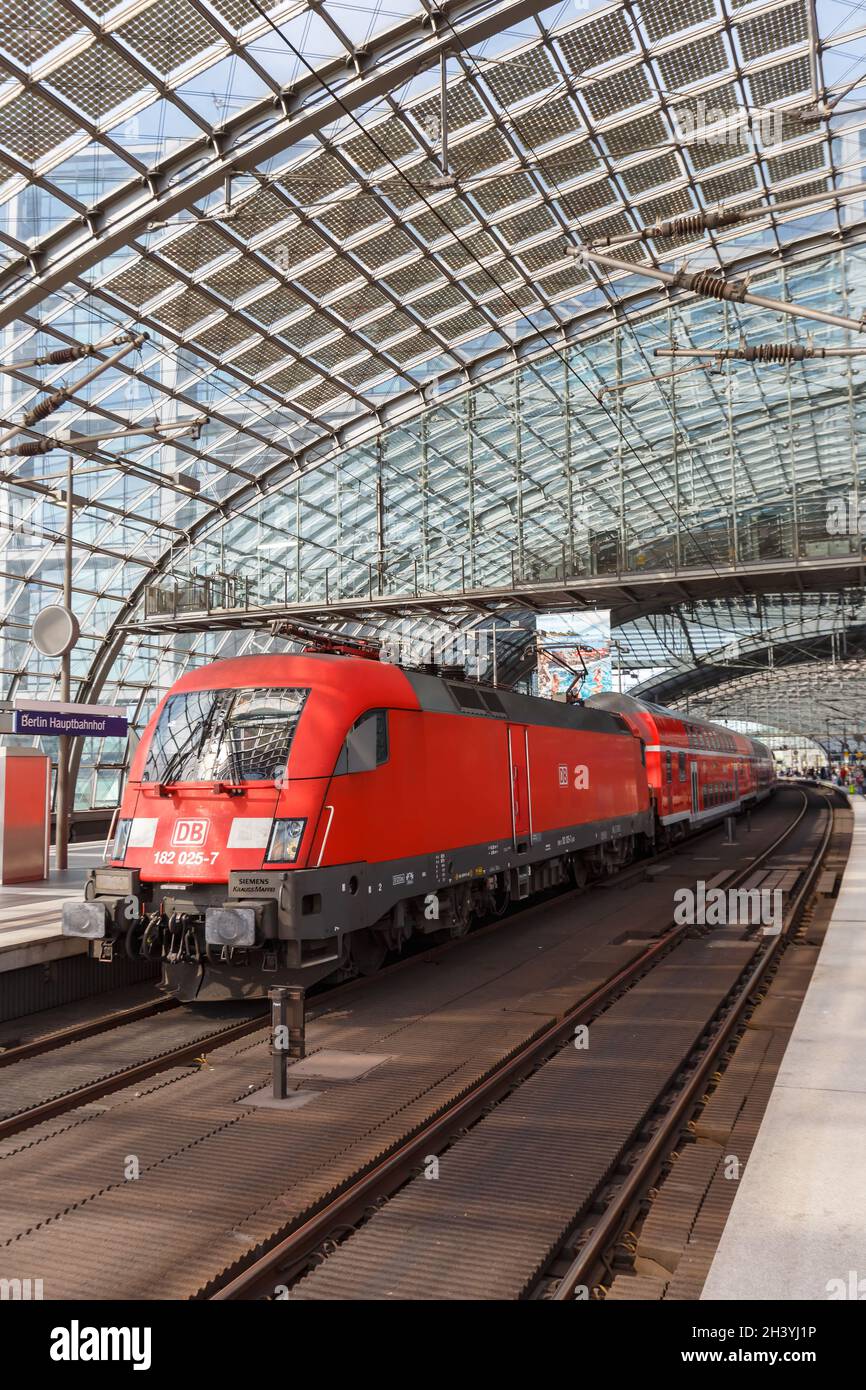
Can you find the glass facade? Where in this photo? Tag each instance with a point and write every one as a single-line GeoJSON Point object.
{"type": "Point", "coordinates": [411, 384]}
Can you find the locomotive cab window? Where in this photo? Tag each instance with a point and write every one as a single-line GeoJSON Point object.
{"type": "Point", "coordinates": [682, 766]}
{"type": "Point", "coordinates": [366, 745]}
{"type": "Point", "coordinates": [224, 736]}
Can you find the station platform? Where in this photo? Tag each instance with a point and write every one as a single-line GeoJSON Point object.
{"type": "Point", "coordinates": [797, 1227]}
{"type": "Point", "coordinates": [30, 913]}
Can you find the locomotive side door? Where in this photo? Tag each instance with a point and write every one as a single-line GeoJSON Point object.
{"type": "Point", "coordinates": [518, 774]}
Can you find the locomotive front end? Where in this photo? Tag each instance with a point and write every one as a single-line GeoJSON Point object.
{"type": "Point", "coordinates": [210, 830]}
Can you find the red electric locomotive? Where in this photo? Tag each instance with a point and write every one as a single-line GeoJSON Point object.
{"type": "Point", "coordinates": [287, 817]}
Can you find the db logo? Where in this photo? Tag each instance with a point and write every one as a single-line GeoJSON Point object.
{"type": "Point", "coordinates": [189, 832]}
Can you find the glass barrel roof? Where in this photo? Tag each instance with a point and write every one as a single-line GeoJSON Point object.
{"type": "Point", "coordinates": [407, 376]}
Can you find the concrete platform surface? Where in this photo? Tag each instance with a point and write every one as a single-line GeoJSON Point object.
{"type": "Point", "coordinates": [797, 1228]}
{"type": "Point", "coordinates": [30, 913]}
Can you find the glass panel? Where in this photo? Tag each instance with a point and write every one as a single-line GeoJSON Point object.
{"type": "Point", "coordinates": [224, 736]}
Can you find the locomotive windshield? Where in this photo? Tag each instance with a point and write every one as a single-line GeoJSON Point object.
{"type": "Point", "coordinates": [224, 736]}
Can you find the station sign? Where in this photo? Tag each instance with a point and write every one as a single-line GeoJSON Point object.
{"type": "Point", "coordinates": [55, 718]}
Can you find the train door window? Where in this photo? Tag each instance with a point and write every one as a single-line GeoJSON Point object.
{"type": "Point", "coordinates": [668, 766]}
{"type": "Point", "coordinates": [366, 746]}
{"type": "Point", "coordinates": [682, 766]}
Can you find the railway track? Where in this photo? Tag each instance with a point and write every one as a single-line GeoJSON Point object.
{"type": "Point", "coordinates": [161, 1049]}
{"type": "Point", "coordinates": [87, 1028]}
{"type": "Point", "coordinates": [285, 1263]}
{"type": "Point", "coordinates": [31, 1094]}
{"type": "Point", "coordinates": [594, 1246]}
{"type": "Point", "coordinates": [434, 1035]}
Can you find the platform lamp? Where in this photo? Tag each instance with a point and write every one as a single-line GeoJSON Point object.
{"type": "Point", "coordinates": [55, 628]}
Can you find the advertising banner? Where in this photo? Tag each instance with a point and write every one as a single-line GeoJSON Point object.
{"type": "Point", "coordinates": [568, 642]}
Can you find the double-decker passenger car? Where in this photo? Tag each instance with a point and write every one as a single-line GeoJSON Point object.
{"type": "Point", "coordinates": [287, 817]}
{"type": "Point", "coordinates": [697, 771]}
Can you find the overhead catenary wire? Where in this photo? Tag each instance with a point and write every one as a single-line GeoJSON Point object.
{"type": "Point", "coordinates": [713, 286]}
{"type": "Point", "coordinates": [763, 352]}
{"type": "Point", "coordinates": [52, 402]}
{"type": "Point", "coordinates": [563, 357]}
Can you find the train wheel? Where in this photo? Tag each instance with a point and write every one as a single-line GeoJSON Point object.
{"type": "Point", "coordinates": [367, 951]}
{"type": "Point", "coordinates": [579, 872]}
{"type": "Point", "coordinates": [461, 913]}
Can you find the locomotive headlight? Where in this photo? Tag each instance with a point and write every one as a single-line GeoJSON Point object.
{"type": "Point", "coordinates": [285, 841]}
{"type": "Point", "coordinates": [121, 839]}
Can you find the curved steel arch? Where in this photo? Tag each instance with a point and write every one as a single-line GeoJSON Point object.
{"type": "Point", "coordinates": [302, 110]}
{"type": "Point", "coordinates": [178, 182]}
{"type": "Point", "coordinates": [806, 659]}
{"type": "Point", "coordinates": [286, 471]}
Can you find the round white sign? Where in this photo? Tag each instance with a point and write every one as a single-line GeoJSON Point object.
{"type": "Point", "coordinates": [55, 630]}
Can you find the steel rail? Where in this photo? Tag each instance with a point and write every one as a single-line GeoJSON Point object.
{"type": "Point", "coordinates": [651, 1159]}
{"type": "Point", "coordinates": [382, 1177]}
{"type": "Point", "coordinates": [88, 1028]}
{"type": "Point", "coordinates": [25, 1119]}
{"type": "Point", "coordinates": [140, 1071]}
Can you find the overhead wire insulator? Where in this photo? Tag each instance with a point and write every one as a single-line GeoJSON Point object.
{"type": "Point", "coordinates": [686, 224]}
{"type": "Point", "coordinates": [31, 447]}
{"type": "Point", "coordinates": [60, 355]}
{"type": "Point", "coordinates": [706, 282]}
{"type": "Point", "coordinates": [770, 353]}
{"type": "Point", "coordinates": [691, 223]}
{"type": "Point", "coordinates": [45, 407]}
{"type": "Point", "coordinates": [774, 352]}
{"type": "Point", "coordinates": [712, 285]}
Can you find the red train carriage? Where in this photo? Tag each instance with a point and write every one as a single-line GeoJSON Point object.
{"type": "Point", "coordinates": [289, 816]}
{"type": "Point", "coordinates": [697, 771]}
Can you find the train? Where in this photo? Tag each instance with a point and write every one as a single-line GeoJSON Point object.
{"type": "Point", "coordinates": [293, 817]}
